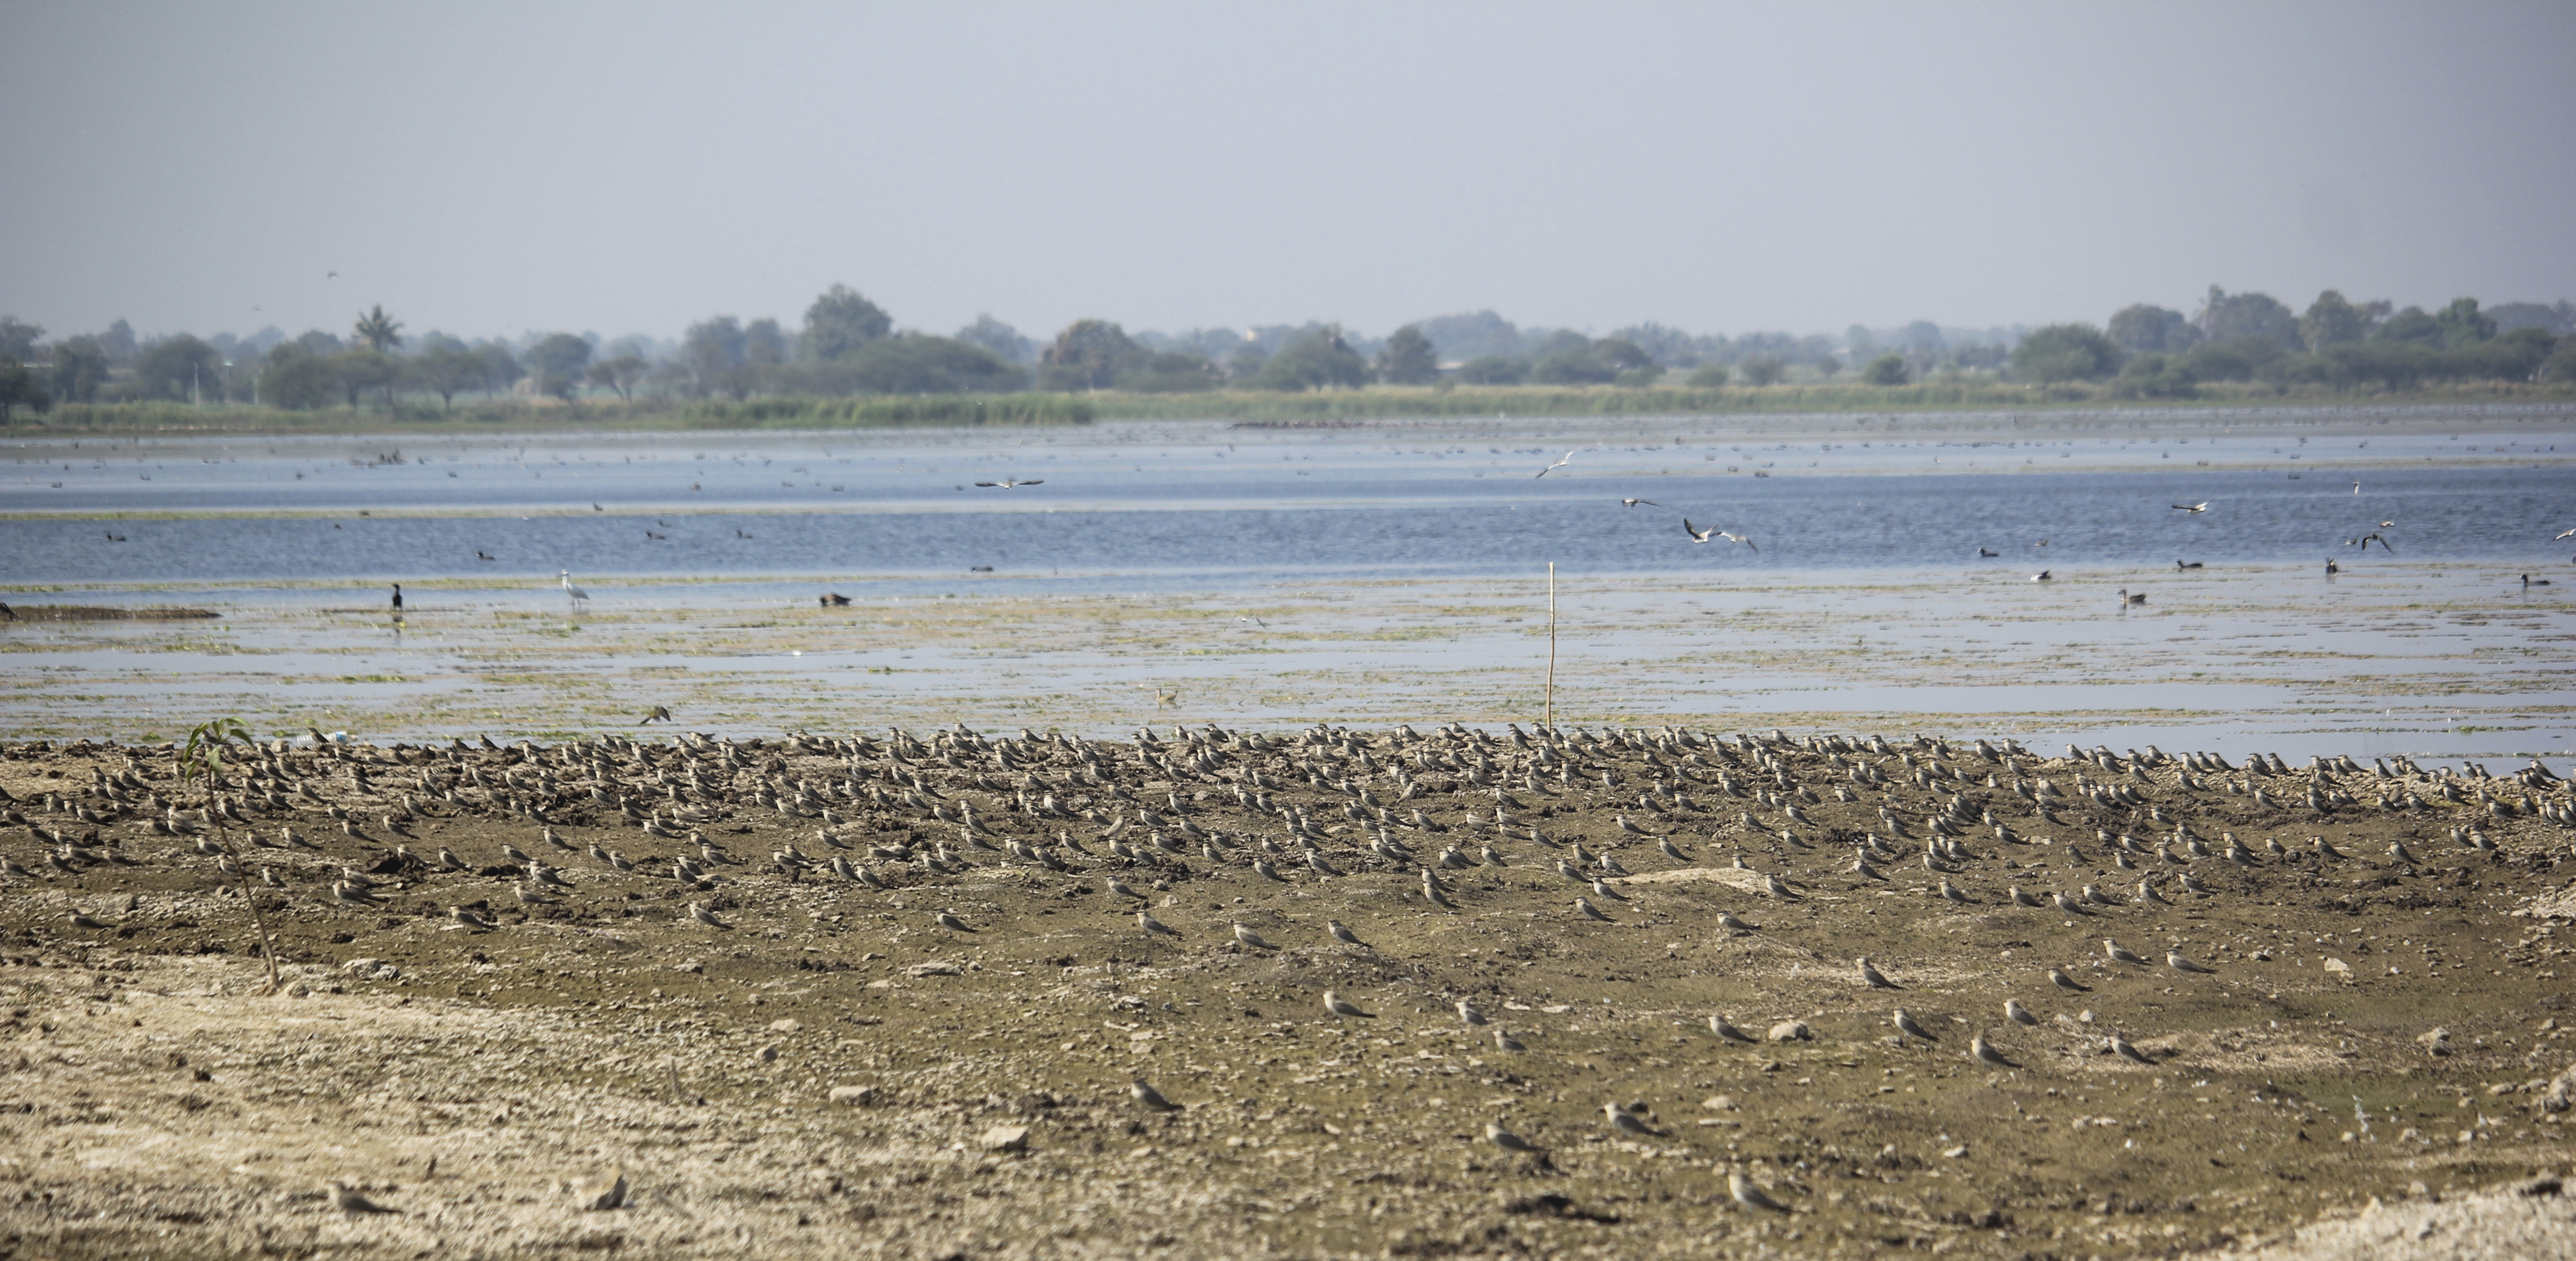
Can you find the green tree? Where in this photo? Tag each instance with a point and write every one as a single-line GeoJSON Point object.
{"type": "Point", "coordinates": [19, 387]}
{"type": "Point", "coordinates": [298, 379]}
{"type": "Point", "coordinates": [364, 368]}
{"type": "Point", "coordinates": [559, 361]}
{"type": "Point", "coordinates": [620, 374]}
{"type": "Point", "coordinates": [1828, 367]}
{"type": "Point", "coordinates": [175, 367]}
{"type": "Point", "coordinates": [999, 338]}
{"type": "Point", "coordinates": [501, 369]}
{"type": "Point", "coordinates": [1408, 358]}
{"type": "Point", "coordinates": [910, 363]}
{"type": "Point", "coordinates": [381, 332]}
{"type": "Point", "coordinates": [1764, 370]}
{"type": "Point", "coordinates": [2230, 317]}
{"type": "Point", "coordinates": [1168, 372]}
{"type": "Point", "coordinates": [1569, 359]}
{"type": "Point", "coordinates": [841, 321]}
{"type": "Point", "coordinates": [764, 345]}
{"type": "Point", "coordinates": [2515, 356]}
{"type": "Point", "coordinates": [713, 352]}
{"type": "Point", "coordinates": [2389, 364]}
{"type": "Point", "coordinates": [1884, 370]}
{"type": "Point", "coordinates": [2462, 324]}
{"type": "Point", "coordinates": [2332, 321]}
{"type": "Point", "coordinates": [2411, 326]}
{"type": "Point", "coordinates": [1494, 370]}
{"type": "Point", "coordinates": [447, 369]}
{"type": "Point", "coordinates": [1317, 361]}
{"type": "Point", "coordinates": [2239, 360]}
{"type": "Point", "coordinates": [1707, 376]}
{"type": "Point", "coordinates": [2156, 375]}
{"type": "Point", "coordinates": [2065, 352]}
{"type": "Point", "coordinates": [79, 369]}
{"type": "Point", "coordinates": [18, 338]}
{"type": "Point", "coordinates": [118, 342]}
{"type": "Point", "coordinates": [2141, 329]}
{"type": "Point", "coordinates": [1085, 356]}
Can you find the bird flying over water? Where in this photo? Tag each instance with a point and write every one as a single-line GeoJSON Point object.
{"type": "Point", "coordinates": [1007, 483]}
{"type": "Point", "coordinates": [1702, 536]}
{"type": "Point", "coordinates": [1652, 504]}
{"type": "Point", "coordinates": [2202, 506]}
{"type": "Point", "coordinates": [1569, 459]}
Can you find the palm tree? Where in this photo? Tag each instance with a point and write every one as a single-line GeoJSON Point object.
{"type": "Point", "coordinates": [379, 330]}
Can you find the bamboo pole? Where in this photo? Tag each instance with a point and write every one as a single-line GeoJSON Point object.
{"type": "Point", "coordinates": [1550, 702]}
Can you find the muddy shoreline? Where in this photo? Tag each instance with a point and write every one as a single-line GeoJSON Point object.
{"type": "Point", "coordinates": [834, 1072]}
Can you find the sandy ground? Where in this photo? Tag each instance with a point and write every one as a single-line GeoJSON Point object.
{"type": "Point", "coordinates": [836, 1072]}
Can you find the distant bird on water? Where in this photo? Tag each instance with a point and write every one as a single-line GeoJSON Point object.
{"type": "Point", "coordinates": [2126, 598]}
{"type": "Point", "coordinates": [1569, 459]}
{"type": "Point", "coordinates": [2332, 568]}
{"type": "Point", "coordinates": [1008, 482]}
{"type": "Point", "coordinates": [1652, 504]}
{"type": "Point", "coordinates": [2180, 563]}
{"type": "Point", "coordinates": [2202, 506]}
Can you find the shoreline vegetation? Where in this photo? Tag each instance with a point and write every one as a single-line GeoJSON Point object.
{"type": "Point", "coordinates": [1259, 408]}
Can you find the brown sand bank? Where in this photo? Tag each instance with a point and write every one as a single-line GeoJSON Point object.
{"type": "Point", "coordinates": [834, 1071]}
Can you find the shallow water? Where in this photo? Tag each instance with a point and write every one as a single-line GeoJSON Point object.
{"type": "Point", "coordinates": [1199, 573]}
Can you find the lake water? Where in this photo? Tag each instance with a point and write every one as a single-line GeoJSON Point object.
{"type": "Point", "coordinates": [1383, 573]}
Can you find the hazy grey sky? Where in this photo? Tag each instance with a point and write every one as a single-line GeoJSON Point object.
{"type": "Point", "coordinates": [631, 167]}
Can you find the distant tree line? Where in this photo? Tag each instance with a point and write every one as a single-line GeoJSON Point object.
{"type": "Point", "coordinates": [2150, 352]}
{"type": "Point", "coordinates": [848, 346]}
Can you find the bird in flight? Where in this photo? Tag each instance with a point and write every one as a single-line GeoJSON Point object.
{"type": "Point", "coordinates": [1569, 459]}
{"type": "Point", "coordinates": [2202, 506]}
{"type": "Point", "coordinates": [2570, 533]}
{"type": "Point", "coordinates": [2382, 539]}
{"type": "Point", "coordinates": [1652, 504]}
{"type": "Point", "coordinates": [1702, 536]}
{"type": "Point", "coordinates": [1007, 483]}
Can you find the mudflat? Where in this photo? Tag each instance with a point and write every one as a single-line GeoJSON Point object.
{"type": "Point", "coordinates": [681, 996]}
